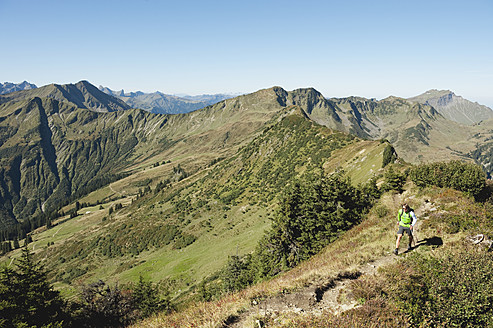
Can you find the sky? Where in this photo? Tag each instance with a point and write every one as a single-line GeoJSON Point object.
{"type": "Point", "coordinates": [371, 49]}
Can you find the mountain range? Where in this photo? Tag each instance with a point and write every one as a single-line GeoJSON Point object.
{"type": "Point", "coordinates": [446, 102]}
{"type": "Point", "coordinates": [59, 140]}
{"type": "Point", "coordinates": [105, 191]}
{"type": "Point", "coordinates": [9, 87]}
{"type": "Point", "coordinates": [160, 103]}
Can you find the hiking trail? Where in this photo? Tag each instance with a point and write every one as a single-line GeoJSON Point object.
{"type": "Point", "coordinates": [324, 293]}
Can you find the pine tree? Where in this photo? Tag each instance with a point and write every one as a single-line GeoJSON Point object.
{"type": "Point", "coordinates": [27, 297]}
{"type": "Point", "coordinates": [146, 298]}
{"type": "Point", "coordinates": [393, 180]}
{"type": "Point", "coordinates": [8, 307]}
{"type": "Point", "coordinates": [28, 240]}
{"type": "Point", "coordinates": [389, 155]}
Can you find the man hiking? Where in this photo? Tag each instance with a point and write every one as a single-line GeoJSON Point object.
{"type": "Point", "coordinates": [406, 219]}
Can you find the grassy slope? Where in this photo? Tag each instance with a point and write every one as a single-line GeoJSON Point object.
{"type": "Point", "coordinates": [370, 242]}
{"type": "Point", "coordinates": [222, 229]}
{"type": "Point", "coordinates": [361, 161]}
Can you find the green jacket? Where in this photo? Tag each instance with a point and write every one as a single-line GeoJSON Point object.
{"type": "Point", "coordinates": [405, 219]}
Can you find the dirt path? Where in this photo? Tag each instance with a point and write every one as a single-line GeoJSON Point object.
{"type": "Point", "coordinates": [115, 191]}
{"type": "Point", "coordinates": [319, 296]}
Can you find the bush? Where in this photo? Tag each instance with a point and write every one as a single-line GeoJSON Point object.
{"type": "Point", "coordinates": [465, 177]}
{"type": "Point", "coordinates": [452, 290]}
{"type": "Point", "coordinates": [381, 211]}
{"type": "Point", "coordinates": [103, 306]}
{"type": "Point", "coordinates": [460, 289]}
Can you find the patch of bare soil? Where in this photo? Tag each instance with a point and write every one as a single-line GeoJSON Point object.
{"type": "Point", "coordinates": [321, 295]}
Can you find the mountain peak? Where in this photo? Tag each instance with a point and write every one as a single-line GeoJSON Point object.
{"type": "Point", "coordinates": [453, 107]}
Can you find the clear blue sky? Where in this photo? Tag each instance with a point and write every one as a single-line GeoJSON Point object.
{"type": "Point", "coordinates": [366, 48]}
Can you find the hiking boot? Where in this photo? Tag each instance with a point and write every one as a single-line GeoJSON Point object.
{"type": "Point", "coordinates": [396, 251]}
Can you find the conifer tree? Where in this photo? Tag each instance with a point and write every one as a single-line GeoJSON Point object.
{"type": "Point", "coordinates": [27, 299]}
{"type": "Point", "coordinates": [147, 300]}
{"type": "Point", "coordinates": [389, 155]}
{"type": "Point", "coordinates": [8, 307]}
{"type": "Point", "coordinates": [393, 180]}
{"type": "Point", "coordinates": [310, 216]}
{"type": "Point", "coordinates": [28, 240]}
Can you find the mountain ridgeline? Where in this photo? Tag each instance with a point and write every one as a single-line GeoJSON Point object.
{"type": "Point", "coordinates": [59, 142]}
{"type": "Point", "coordinates": [82, 95]}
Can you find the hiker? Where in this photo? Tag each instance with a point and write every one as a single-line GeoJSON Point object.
{"type": "Point", "coordinates": [406, 219]}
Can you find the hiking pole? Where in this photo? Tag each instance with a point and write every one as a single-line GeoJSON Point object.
{"type": "Point", "coordinates": [413, 232]}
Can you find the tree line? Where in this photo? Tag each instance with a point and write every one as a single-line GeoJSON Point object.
{"type": "Point", "coordinates": [467, 177]}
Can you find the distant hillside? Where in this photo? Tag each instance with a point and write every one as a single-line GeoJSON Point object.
{"type": "Point", "coordinates": [9, 87]}
{"type": "Point", "coordinates": [55, 146]}
{"type": "Point", "coordinates": [52, 151]}
{"type": "Point", "coordinates": [161, 103]}
{"type": "Point", "coordinates": [453, 107]}
{"type": "Point", "coordinates": [418, 132]}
